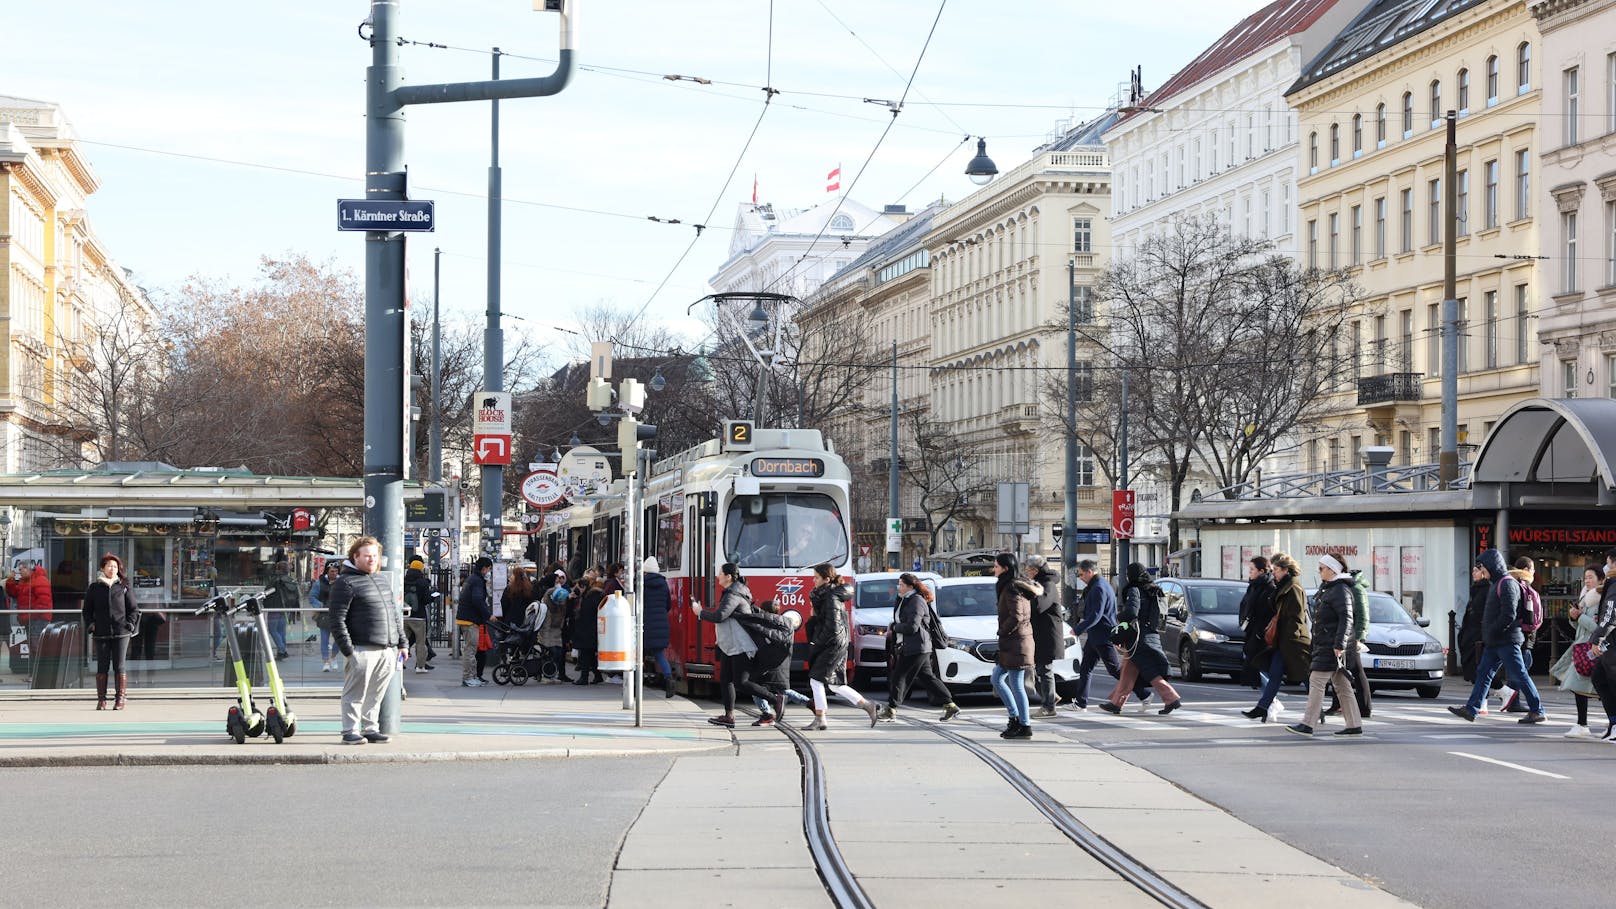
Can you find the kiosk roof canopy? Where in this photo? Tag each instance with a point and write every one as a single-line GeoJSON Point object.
{"type": "Point", "coordinates": [152, 484]}
{"type": "Point", "coordinates": [1544, 440]}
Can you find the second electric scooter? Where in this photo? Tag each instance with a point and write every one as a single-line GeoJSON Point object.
{"type": "Point", "coordinates": [243, 719]}
{"type": "Point", "coordinates": [279, 720]}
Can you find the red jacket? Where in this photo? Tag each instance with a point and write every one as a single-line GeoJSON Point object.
{"type": "Point", "coordinates": [32, 596]}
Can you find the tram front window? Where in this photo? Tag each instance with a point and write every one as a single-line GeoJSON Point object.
{"type": "Point", "coordinates": [784, 530]}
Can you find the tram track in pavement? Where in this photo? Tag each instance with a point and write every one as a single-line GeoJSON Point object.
{"type": "Point", "coordinates": [843, 886]}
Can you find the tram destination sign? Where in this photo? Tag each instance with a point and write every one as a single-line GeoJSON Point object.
{"type": "Point", "coordinates": [788, 467]}
{"type": "Point", "coordinates": [383, 214]}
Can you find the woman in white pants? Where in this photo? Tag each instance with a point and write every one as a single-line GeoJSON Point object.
{"type": "Point", "coordinates": [828, 640]}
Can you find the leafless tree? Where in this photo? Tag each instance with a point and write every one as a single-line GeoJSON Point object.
{"type": "Point", "coordinates": [950, 476]}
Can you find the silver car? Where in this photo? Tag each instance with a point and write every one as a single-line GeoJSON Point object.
{"type": "Point", "coordinates": [874, 595]}
{"type": "Point", "coordinates": [1402, 654]}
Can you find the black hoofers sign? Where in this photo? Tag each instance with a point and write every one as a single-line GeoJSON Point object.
{"type": "Point", "coordinates": [788, 467]}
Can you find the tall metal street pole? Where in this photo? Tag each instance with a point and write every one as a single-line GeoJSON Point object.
{"type": "Point", "coordinates": [493, 475]}
{"type": "Point", "coordinates": [386, 328]}
{"type": "Point", "coordinates": [435, 427]}
{"type": "Point", "coordinates": [1448, 459]}
{"type": "Point", "coordinates": [1069, 519]}
{"type": "Point", "coordinates": [1124, 547]}
{"type": "Point", "coordinates": [894, 555]}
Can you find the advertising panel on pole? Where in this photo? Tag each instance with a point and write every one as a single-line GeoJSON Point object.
{"type": "Point", "coordinates": [894, 534]}
{"type": "Point", "coordinates": [1122, 514]}
{"type": "Point", "coordinates": [491, 415]}
{"type": "Point", "coordinates": [1014, 508]}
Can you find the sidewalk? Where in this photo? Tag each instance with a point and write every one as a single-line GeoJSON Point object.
{"type": "Point", "coordinates": [441, 721]}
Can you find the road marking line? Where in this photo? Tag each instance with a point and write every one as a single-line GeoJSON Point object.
{"type": "Point", "coordinates": [1454, 735]}
{"type": "Point", "coordinates": [1488, 760]}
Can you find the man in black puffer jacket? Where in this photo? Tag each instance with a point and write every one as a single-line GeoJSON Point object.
{"type": "Point", "coordinates": [1048, 633]}
{"type": "Point", "coordinates": [1502, 638]}
{"type": "Point", "coordinates": [368, 627]}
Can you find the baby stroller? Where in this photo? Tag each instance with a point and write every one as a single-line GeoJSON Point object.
{"type": "Point", "coordinates": [518, 654]}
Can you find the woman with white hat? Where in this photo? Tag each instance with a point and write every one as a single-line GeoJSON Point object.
{"type": "Point", "coordinates": [1331, 615]}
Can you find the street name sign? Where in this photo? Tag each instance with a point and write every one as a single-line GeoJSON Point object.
{"type": "Point", "coordinates": [384, 214]}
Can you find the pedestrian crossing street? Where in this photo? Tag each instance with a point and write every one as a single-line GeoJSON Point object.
{"type": "Point", "coordinates": [1429, 719]}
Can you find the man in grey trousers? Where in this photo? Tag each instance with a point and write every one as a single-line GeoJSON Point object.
{"type": "Point", "coordinates": [369, 630]}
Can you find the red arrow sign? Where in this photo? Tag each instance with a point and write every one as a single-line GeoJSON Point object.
{"type": "Point", "coordinates": [491, 449]}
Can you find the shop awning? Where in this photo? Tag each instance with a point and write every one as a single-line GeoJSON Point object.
{"type": "Point", "coordinates": [173, 488]}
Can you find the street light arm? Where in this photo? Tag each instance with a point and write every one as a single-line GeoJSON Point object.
{"type": "Point", "coordinates": [499, 89]}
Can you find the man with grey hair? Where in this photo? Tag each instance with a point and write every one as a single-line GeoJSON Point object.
{"type": "Point", "coordinates": [1099, 603]}
{"type": "Point", "coordinates": [1048, 633]}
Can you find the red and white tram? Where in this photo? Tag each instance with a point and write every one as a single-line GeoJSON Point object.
{"type": "Point", "coordinates": [775, 507]}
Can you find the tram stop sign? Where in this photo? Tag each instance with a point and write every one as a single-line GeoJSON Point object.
{"type": "Point", "coordinates": [542, 489]}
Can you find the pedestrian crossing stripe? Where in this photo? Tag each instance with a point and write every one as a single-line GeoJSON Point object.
{"type": "Point", "coordinates": [1228, 714]}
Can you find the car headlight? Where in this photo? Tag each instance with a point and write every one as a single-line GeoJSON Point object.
{"type": "Point", "coordinates": [1431, 647]}
{"type": "Point", "coordinates": [1212, 637]}
{"type": "Point", "coordinates": [877, 630]}
{"type": "Point", "coordinates": [965, 643]}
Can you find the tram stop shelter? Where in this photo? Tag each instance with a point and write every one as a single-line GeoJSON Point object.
{"type": "Point", "coordinates": [182, 535]}
{"type": "Point", "coordinates": [1541, 485]}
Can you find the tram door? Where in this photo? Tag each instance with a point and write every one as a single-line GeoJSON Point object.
{"type": "Point", "coordinates": [703, 575]}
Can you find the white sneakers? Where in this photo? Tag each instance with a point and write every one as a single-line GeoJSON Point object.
{"type": "Point", "coordinates": [1504, 694]}
{"type": "Point", "coordinates": [326, 666]}
{"type": "Point", "coordinates": [1275, 710]}
{"type": "Point", "coordinates": [1578, 732]}
{"type": "Point", "coordinates": [420, 669]}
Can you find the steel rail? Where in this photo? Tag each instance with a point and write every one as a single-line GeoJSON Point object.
{"type": "Point", "coordinates": [843, 887]}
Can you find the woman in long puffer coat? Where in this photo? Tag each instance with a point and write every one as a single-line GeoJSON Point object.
{"type": "Point", "coordinates": [828, 641]}
{"type": "Point", "coordinates": [112, 618]}
{"type": "Point", "coordinates": [1331, 620]}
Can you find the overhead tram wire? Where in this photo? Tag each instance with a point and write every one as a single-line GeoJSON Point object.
{"type": "Point", "coordinates": [896, 109]}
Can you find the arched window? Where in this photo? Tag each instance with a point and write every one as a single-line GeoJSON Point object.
{"type": "Point", "coordinates": [1357, 135]}
{"type": "Point", "coordinates": [1313, 150]}
{"type": "Point", "coordinates": [1523, 68]}
{"type": "Point", "coordinates": [1436, 100]}
{"type": "Point", "coordinates": [1335, 143]}
{"type": "Point", "coordinates": [841, 222]}
{"type": "Point", "coordinates": [1492, 80]}
{"type": "Point", "coordinates": [1380, 125]}
{"type": "Point", "coordinates": [1408, 114]}
{"type": "Point", "coordinates": [1464, 91]}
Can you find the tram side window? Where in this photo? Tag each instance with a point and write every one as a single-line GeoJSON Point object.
{"type": "Point", "coordinates": [670, 541]}
{"type": "Point", "coordinates": [784, 530]}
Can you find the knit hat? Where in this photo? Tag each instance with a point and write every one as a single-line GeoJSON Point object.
{"type": "Point", "coordinates": [417, 563]}
{"type": "Point", "coordinates": [651, 565]}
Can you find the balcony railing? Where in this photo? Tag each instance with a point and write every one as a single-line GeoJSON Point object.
{"type": "Point", "coordinates": [1393, 386]}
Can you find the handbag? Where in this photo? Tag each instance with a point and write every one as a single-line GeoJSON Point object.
{"type": "Point", "coordinates": [1271, 634]}
{"type": "Point", "coordinates": [1582, 658]}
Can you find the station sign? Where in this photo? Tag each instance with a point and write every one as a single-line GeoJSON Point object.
{"type": "Point", "coordinates": [542, 489]}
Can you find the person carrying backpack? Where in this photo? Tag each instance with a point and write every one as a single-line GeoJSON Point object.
{"type": "Point", "coordinates": [1141, 613]}
{"type": "Point", "coordinates": [1525, 571]}
{"type": "Point", "coordinates": [1503, 637]}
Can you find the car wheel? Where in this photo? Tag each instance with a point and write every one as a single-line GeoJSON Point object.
{"type": "Point", "coordinates": [1430, 692]}
{"type": "Point", "coordinates": [1188, 664]}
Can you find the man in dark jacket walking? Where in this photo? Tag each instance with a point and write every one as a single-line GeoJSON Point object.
{"type": "Point", "coordinates": [1502, 638]}
{"type": "Point", "coordinates": [369, 630]}
{"type": "Point", "coordinates": [1099, 603]}
{"type": "Point", "coordinates": [1256, 611]}
{"type": "Point", "coordinates": [471, 614]}
{"type": "Point", "coordinates": [658, 599]}
{"type": "Point", "coordinates": [1048, 633]}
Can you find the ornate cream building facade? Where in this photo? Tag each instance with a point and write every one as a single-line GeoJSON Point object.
{"type": "Point", "coordinates": [1370, 166]}
{"type": "Point", "coordinates": [61, 285]}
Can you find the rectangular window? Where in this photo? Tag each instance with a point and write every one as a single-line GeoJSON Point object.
{"type": "Point", "coordinates": [1610, 375]}
{"type": "Point", "coordinates": [1610, 243]}
{"type": "Point", "coordinates": [1610, 93]}
{"type": "Point", "coordinates": [1433, 339]}
{"type": "Point", "coordinates": [1266, 208]}
{"type": "Point", "coordinates": [1405, 347]}
{"type": "Point", "coordinates": [1489, 200]}
{"type": "Point", "coordinates": [1083, 381]}
{"type": "Point", "coordinates": [1313, 244]}
{"type": "Point", "coordinates": [1246, 221]}
{"type": "Point", "coordinates": [1568, 252]}
{"type": "Point", "coordinates": [1568, 378]}
{"type": "Point", "coordinates": [1523, 184]}
{"type": "Point", "coordinates": [1572, 102]}
{"type": "Point", "coordinates": [1335, 455]}
{"type": "Point", "coordinates": [1464, 92]}
{"type": "Point", "coordinates": [1405, 447]}
{"type": "Point", "coordinates": [1461, 204]}
{"type": "Point", "coordinates": [1490, 331]}
{"type": "Point", "coordinates": [1285, 208]}
{"type": "Point", "coordinates": [1357, 234]}
{"type": "Point", "coordinates": [1492, 81]}
{"type": "Point", "coordinates": [1379, 353]}
{"type": "Point", "coordinates": [1380, 228]}
{"type": "Point", "coordinates": [1335, 238]}
{"type": "Point", "coordinates": [1085, 464]}
{"type": "Point", "coordinates": [1433, 443]}
{"type": "Point", "coordinates": [1407, 227]}
{"type": "Point", "coordinates": [1523, 68]}
{"type": "Point", "coordinates": [1082, 235]}
{"type": "Point", "coordinates": [1523, 335]}
{"type": "Point", "coordinates": [1085, 305]}
{"type": "Point", "coordinates": [1434, 235]}
{"type": "Point", "coordinates": [1357, 351]}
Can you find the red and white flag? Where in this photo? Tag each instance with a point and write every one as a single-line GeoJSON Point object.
{"type": "Point", "coordinates": [754, 189]}
{"type": "Point", "coordinates": [833, 180]}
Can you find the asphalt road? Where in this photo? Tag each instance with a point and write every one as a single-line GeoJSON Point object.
{"type": "Point", "coordinates": [516, 833]}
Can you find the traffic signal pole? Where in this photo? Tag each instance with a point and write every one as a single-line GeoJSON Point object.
{"type": "Point", "coordinates": [386, 309]}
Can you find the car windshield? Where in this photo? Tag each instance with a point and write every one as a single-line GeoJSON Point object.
{"type": "Point", "coordinates": [784, 530]}
{"type": "Point", "coordinates": [1383, 610]}
{"type": "Point", "coordinates": [1218, 600]}
{"type": "Point", "coordinates": [966, 599]}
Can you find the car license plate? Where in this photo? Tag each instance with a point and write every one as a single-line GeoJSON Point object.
{"type": "Point", "coordinates": [1394, 664]}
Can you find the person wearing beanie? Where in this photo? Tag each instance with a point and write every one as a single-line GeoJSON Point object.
{"type": "Point", "coordinates": [471, 614]}
{"type": "Point", "coordinates": [418, 598]}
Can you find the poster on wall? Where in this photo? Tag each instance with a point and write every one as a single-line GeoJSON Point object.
{"type": "Point", "coordinates": [1413, 561]}
{"type": "Point", "coordinates": [1385, 571]}
{"type": "Point", "coordinates": [1247, 553]}
{"type": "Point", "coordinates": [1231, 562]}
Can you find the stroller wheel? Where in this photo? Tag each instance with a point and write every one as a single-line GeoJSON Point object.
{"type": "Point", "coordinates": [518, 675]}
{"type": "Point", "coordinates": [502, 675]}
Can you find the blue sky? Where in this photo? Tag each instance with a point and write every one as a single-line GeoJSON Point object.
{"type": "Point", "coordinates": [281, 85]}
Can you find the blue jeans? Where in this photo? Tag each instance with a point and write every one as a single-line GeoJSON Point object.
{"type": "Point", "coordinates": [328, 648]}
{"type": "Point", "coordinates": [1271, 680]}
{"type": "Point", "coordinates": [277, 631]}
{"type": "Point", "coordinates": [1010, 685]}
{"type": "Point", "coordinates": [1507, 656]}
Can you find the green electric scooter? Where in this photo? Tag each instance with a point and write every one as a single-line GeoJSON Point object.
{"type": "Point", "coordinates": [279, 720]}
{"type": "Point", "coordinates": [243, 719]}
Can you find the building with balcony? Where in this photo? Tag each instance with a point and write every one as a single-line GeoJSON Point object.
{"type": "Point", "coordinates": [1370, 166]}
{"type": "Point", "coordinates": [61, 292]}
{"type": "Point", "coordinates": [1577, 196]}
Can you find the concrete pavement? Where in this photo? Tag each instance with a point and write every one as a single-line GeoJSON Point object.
{"type": "Point", "coordinates": [441, 721]}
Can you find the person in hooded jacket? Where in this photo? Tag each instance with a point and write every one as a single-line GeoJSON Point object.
{"type": "Point", "coordinates": [658, 600]}
{"type": "Point", "coordinates": [31, 591]}
{"type": "Point", "coordinates": [1141, 608]}
{"type": "Point", "coordinates": [828, 641]}
{"type": "Point", "coordinates": [913, 626]}
{"type": "Point", "coordinates": [1331, 620]}
{"type": "Point", "coordinates": [735, 646]}
{"type": "Point", "coordinates": [1016, 651]}
{"type": "Point", "coordinates": [1354, 659]}
{"type": "Point", "coordinates": [1469, 640]}
{"type": "Point", "coordinates": [1288, 657]}
{"type": "Point", "coordinates": [586, 634]}
{"type": "Point", "coordinates": [111, 616]}
{"type": "Point", "coordinates": [554, 630]}
{"type": "Point", "coordinates": [1256, 611]}
{"type": "Point", "coordinates": [1502, 635]}
{"type": "Point", "coordinates": [1048, 633]}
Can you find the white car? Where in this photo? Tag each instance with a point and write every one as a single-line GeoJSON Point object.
{"type": "Point", "coordinates": [969, 610]}
{"type": "Point", "coordinates": [873, 597]}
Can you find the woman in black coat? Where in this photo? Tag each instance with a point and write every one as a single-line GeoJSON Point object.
{"type": "Point", "coordinates": [585, 634]}
{"type": "Point", "coordinates": [1256, 611]}
{"type": "Point", "coordinates": [111, 617]}
{"type": "Point", "coordinates": [1048, 633]}
{"type": "Point", "coordinates": [658, 600]}
{"type": "Point", "coordinates": [1141, 611]}
{"type": "Point", "coordinates": [1330, 615]}
{"type": "Point", "coordinates": [828, 641]}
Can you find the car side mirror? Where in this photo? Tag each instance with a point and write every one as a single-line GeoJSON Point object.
{"type": "Point", "coordinates": [1178, 612]}
{"type": "Point", "coordinates": [1423, 621]}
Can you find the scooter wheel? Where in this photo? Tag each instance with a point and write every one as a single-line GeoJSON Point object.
{"type": "Point", "coordinates": [256, 727]}
{"type": "Point", "coordinates": [502, 675]}
{"type": "Point", "coordinates": [277, 731]}
{"type": "Point", "coordinates": [519, 676]}
{"type": "Point", "coordinates": [291, 725]}
{"type": "Point", "coordinates": [237, 728]}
